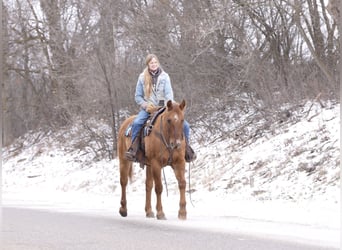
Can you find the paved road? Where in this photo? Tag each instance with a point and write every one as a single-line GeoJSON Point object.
{"type": "Point", "coordinates": [31, 229]}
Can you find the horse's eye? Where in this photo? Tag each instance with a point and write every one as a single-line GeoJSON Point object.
{"type": "Point", "coordinates": [168, 121]}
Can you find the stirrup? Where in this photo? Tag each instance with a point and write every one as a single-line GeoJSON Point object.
{"type": "Point", "coordinates": [130, 155]}
{"type": "Point", "coordinates": [190, 154]}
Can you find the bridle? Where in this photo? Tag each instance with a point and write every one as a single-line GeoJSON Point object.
{"type": "Point", "coordinates": [171, 149]}
{"type": "Point", "coordinates": [169, 146]}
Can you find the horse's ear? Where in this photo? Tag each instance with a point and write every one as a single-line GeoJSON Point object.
{"type": "Point", "coordinates": [169, 104]}
{"type": "Point", "coordinates": [182, 105]}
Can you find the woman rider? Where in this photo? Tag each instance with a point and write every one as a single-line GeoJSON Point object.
{"type": "Point", "coordinates": [153, 87]}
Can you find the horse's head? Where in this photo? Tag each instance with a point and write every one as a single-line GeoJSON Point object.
{"type": "Point", "coordinates": [173, 118]}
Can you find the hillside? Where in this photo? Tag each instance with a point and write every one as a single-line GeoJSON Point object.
{"type": "Point", "coordinates": [293, 168]}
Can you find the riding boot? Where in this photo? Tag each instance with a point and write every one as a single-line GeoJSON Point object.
{"type": "Point", "coordinates": [190, 154]}
{"type": "Point", "coordinates": [131, 153]}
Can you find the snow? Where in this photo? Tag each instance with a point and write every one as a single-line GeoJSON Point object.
{"type": "Point", "coordinates": [284, 184]}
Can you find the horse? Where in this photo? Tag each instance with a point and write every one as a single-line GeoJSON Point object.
{"type": "Point", "coordinates": [165, 145]}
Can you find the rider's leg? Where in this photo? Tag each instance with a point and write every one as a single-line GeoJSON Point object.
{"type": "Point", "coordinates": [190, 155]}
{"type": "Point", "coordinates": [138, 122]}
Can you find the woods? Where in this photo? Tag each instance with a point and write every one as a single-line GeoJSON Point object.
{"type": "Point", "coordinates": [67, 60]}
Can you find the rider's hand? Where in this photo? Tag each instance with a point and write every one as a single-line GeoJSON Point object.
{"type": "Point", "coordinates": [150, 108]}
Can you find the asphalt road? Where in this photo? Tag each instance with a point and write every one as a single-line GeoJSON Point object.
{"type": "Point", "coordinates": [31, 229]}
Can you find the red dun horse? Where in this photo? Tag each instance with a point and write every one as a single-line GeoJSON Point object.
{"type": "Point", "coordinates": [164, 146]}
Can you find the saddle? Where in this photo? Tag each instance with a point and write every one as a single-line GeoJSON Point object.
{"type": "Point", "coordinates": [145, 131]}
{"type": "Point", "coordinates": [151, 121]}
{"type": "Point", "coordinates": [147, 127]}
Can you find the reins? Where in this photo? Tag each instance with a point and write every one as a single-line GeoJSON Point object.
{"type": "Point", "coordinates": [167, 145]}
{"type": "Point", "coordinates": [165, 182]}
{"type": "Point", "coordinates": [189, 184]}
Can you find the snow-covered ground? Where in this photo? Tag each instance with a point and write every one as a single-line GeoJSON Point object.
{"type": "Point", "coordinates": [286, 183]}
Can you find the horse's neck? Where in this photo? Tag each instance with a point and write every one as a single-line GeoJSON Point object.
{"type": "Point", "coordinates": [156, 114]}
{"type": "Point", "coordinates": [160, 125]}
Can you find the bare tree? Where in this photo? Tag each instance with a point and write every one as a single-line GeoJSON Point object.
{"type": "Point", "coordinates": [322, 48]}
{"type": "Point", "coordinates": [68, 60]}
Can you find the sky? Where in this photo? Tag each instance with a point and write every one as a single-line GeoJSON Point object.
{"type": "Point", "coordinates": [284, 184]}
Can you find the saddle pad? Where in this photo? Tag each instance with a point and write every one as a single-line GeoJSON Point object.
{"type": "Point", "coordinates": [147, 130]}
{"type": "Point", "coordinates": [128, 132]}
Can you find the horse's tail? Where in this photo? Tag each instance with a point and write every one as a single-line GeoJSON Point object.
{"type": "Point", "coordinates": [123, 145]}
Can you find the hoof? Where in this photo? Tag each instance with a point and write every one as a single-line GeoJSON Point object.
{"type": "Point", "coordinates": [123, 213]}
{"type": "Point", "coordinates": [150, 215]}
{"type": "Point", "coordinates": [182, 216]}
{"type": "Point", "coordinates": [161, 216]}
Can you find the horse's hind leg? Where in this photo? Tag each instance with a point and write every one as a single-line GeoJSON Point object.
{"type": "Point", "coordinates": [125, 172]}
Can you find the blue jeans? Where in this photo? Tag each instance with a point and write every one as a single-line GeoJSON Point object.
{"type": "Point", "coordinates": [142, 117]}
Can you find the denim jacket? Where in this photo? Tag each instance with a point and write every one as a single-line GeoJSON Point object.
{"type": "Point", "coordinates": [162, 92]}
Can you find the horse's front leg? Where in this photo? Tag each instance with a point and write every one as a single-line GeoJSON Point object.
{"type": "Point", "coordinates": [180, 175]}
{"type": "Point", "coordinates": [158, 189]}
{"type": "Point", "coordinates": [149, 186]}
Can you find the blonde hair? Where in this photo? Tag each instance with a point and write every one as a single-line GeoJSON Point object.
{"type": "Point", "coordinates": [147, 75]}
